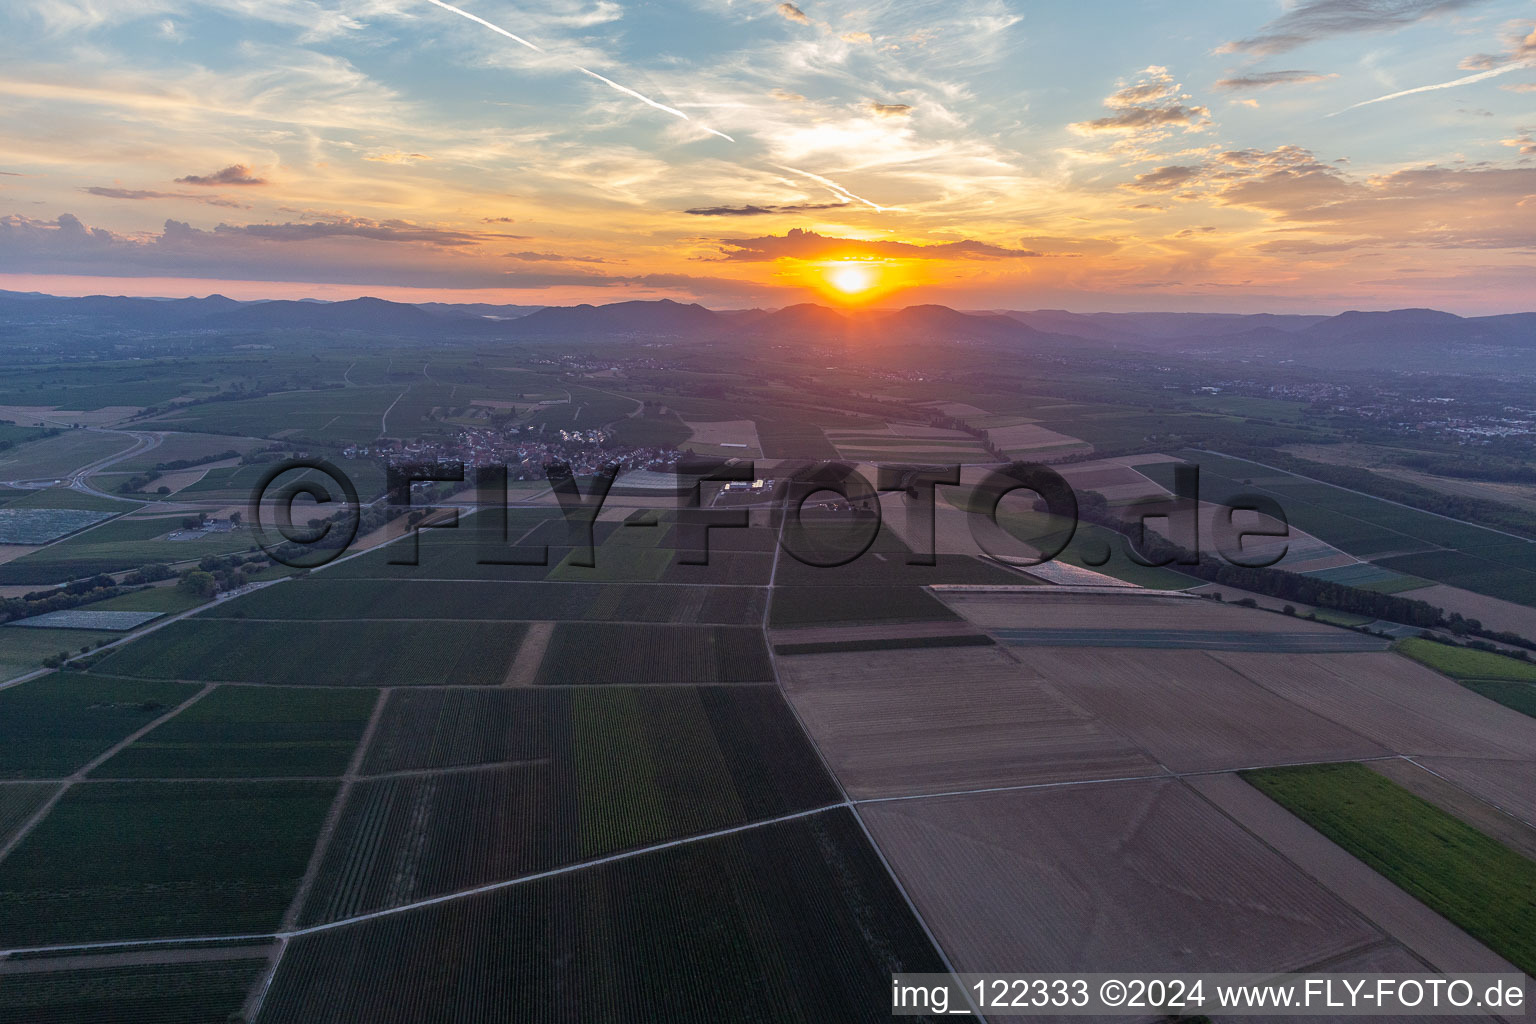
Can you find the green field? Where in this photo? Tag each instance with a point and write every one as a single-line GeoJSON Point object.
{"type": "Point", "coordinates": [251, 731]}
{"type": "Point", "coordinates": [173, 993]}
{"type": "Point", "coordinates": [23, 648]}
{"type": "Point", "coordinates": [594, 653]}
{"type": "Point", "coordinates": [566, 776]}
{"type": "Point", "coordinates": [727, 929]}
{"type": "Point", "coordinates": [168, 599]}
{"type": "Point", "coordinates": [123, 860]}
{"type": "Point", "coordinates": [58, 456]}
{"type": "Point", "coordinates": [1464, 663]}
{"type": "Point", "coordinates": [123, 544]}
{"type": "Point", "coordinates": [18, 802]}
{"type": "Point", "coordinates": [1479, 884]}
{"type": "Point", "coordinates": [54, 724]}
{"type": "Point", "coordinates": [322, 653]}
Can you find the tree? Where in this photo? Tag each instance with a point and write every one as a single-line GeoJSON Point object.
{"type": "Point", "coordinates": [234, 518]}
{"type": "Point", "coordinates": [198, 582]}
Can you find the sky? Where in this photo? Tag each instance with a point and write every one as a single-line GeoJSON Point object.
{"type": "Point", "coordinates": [1305, 155]}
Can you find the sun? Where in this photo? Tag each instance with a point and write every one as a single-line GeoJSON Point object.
{"type": "Point", "coordinates": [850, 278]}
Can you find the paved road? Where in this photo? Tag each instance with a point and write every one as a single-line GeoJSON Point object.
{"type": "Point", "coordinates": [1196, 639]}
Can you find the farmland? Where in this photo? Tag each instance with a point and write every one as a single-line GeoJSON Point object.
{"type": "Point", "coordinates": [707, 931]}
{"type": "Point", "coordinates": [251, 731]}
{"type": "Point", "coordinates": [322, 653]}
{"type": "Point", "coordinates": [123, 544]}
{"type": "Point", "coordinates": [42, 525]}
{"type": "Point", "coordinates": [55, 724]}
{"type": "Point", "coordinates": [1478, 883]}
{"type": "Point", "coordinates": [584, 654]}
{"type": "Point", "coordinates": [174, 993]}
{"type": "Point", "coordinates": [1091, 877]}
{"type": "Point", "coordinates": [569, 776]}
{"type": "Point", "coordinates": [104, 860]}
{"type": "Point", "coordinates": [23, 649]}
{"type": "Point", "coordinates": [18, 802]}
{"type": "Point", "coordinates": [319, 598]}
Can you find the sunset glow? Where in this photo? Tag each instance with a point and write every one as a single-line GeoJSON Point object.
{"type": "Point", "coordinates": [730, 156]}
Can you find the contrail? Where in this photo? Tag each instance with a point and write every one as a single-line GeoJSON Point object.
{"type": "Point", "coordinates": [835, 187]}
{"type": "Point", "coordinates": [1468, 80]}
{"type": "Point", "coordinates": [606, 81]}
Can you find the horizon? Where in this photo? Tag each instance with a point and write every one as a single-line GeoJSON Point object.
{"type": "Point", "coordinates": [1322, 156]}
{"type": "Point", "coordinates": [969, 311]}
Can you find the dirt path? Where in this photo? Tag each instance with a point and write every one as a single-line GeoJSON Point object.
{"type": "Point", "coordinates": [525, 667]}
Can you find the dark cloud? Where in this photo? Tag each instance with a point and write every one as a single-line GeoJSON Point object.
{"type": "Point", "coordinates": [67, 246]}
{"type": "Point", "coordinates": [808, 245]}
{"type": "Point", "coordinates": [551, 257]}
{"type": "Point", "coordinates": [497, 220]}
{"type": "Point", "coordinates": [1320, 19]}
{"type": "Point", "coordinates": [139, 193]}
{"type": "Point", "coordinates": [1269, 79]}
{"type": "Point", "coordinates": [891, 109]}
{"type": "Point", "coordinates": [757, 211]}
{"type": "Point", "coordinates": [793, 13]}
{"type": "Point", "coordinates": [359, 227]}
{"type": "Point", "coordinates": [234, 174]}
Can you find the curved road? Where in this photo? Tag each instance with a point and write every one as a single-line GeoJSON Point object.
{"type": "Point", "coordinates": [78, 480]}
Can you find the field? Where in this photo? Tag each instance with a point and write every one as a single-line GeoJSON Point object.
{"type": "Point", "coordinates": [1481, 885]}
{"type": "Point", "coordinates": [255, 731]}
{"type": "Point", "coordinates": [906, 721]}
{"type": "Point", "coordinates": [24, 649]}
{"type": "Point", "coordinates": [1191, 712]}
{"type": "Point", "coordinates": [1462, 663]}
{"type": "Point", "coordinates": [1090, 878]}
{"type": "Point", "coordinates": [120, 860]}
{"type": "Point", "coordinates": [830, 605]}
{"type": "Point", "coordinates": [55, 724]}
{"type": "Point", "coordinates": [42, 525]}
{"type": "Point", "coordinates": [1405, 707]}
{"type": "Point", "coordinates": [87, 618]}
{"type": "Point", "coordinates": [592, 653]}
{"type": "Point", "coordinates": [134, 993]}
{"type": "Point", "coordinates": [125, 543]}
{"type": "Point", "coordinates": [318, 597]}
{"type": "Point", "coordinates": [18, 802]}
{"type": "Point", "coordinates": [729, 928]}
{"type": "Point", "coordinates": [566, 776]}
{"type": "Point", "coordinates": [322, 653]}
{"type": "Point", "coordinates": [56, 457]}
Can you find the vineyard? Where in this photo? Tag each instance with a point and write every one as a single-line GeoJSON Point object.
{"type": "Point", "coordinates": [551, 777]}
{"type": "Point", "coordinates": [727, 928]}
{"type": "Point", "coordinates": [52, 725]}
{"type": "Point", "coordinates": [323, 598]}
{"type": "Point", "coordinates": [152, 859]}
{"type": "Point", "coordinates": [322, 653]}
{"type": "Point", "coordinates": [255, 731]}
{"type": "Point", "coordinates": [174, 993]}
{"type": "Point", "coordinates": [591, 653]}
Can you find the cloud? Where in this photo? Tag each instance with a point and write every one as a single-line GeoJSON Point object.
{"type": "Point", "coordinates": [858, 38]}
{"type": "Point", "coordinates": [394, 156]}
{"type": "Point", "coordinates": [1321, 19]}
{"type": "Point", "coordinates": [1164, 179]}
{"type": "Point", "coordinates": [793, 13]}
{"type": "Point", "coordinates": [757, 211]}
{"type": "Point", "coordinates": [359, 227]}
{"type": "Point", "coordinates": [1464, 80]}
{"type": "Point", "coordinates": [808, 245]}
{"type": "Point", "coordinates": [136, 193]}
{"type": "Point", "coordinates": [551, 257]}
{"type": "Point", "coordinates": [1523, 142]}
{"type": "Point", "coordinates": [234, 174]}
{"type": "Point", "coordinates": [890, 109]}
{"type": "Point", "coordinates": [1519, 45]}
{"type": "Point", "coordinates": [1270, 79]}
{"type": "Point", "coordinates": [1147, 109]}
{"type": "Point", "coordinates": [497, 220]}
